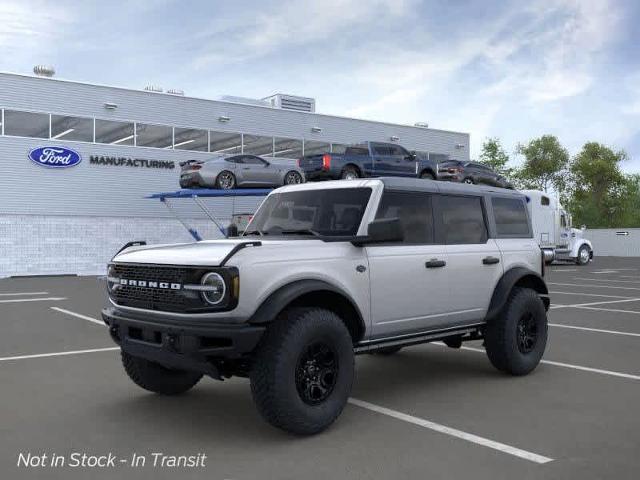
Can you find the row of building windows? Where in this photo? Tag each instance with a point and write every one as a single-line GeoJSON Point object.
{"type": "Point", "coordinates": [94, 130]}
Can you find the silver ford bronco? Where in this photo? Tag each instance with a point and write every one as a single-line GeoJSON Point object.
{"type": "Point", "coordinates": [325, 271]}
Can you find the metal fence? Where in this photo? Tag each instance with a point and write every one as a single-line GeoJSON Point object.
{"type": "Point", "coordinates": [615, 242]}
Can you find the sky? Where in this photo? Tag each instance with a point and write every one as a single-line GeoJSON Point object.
{"type": "Point", "coordinates": [508, 69]}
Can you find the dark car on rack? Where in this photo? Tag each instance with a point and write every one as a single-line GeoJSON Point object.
{"type": "Point", "coordinates": [472, 173]}
{"type": "Point", "coordinates": [369, 159]}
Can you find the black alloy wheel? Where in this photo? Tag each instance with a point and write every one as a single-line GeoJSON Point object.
{"type": "Point", "coordinates": [316, 373]}
{"type": "Point", "coordinates": [527, 333]}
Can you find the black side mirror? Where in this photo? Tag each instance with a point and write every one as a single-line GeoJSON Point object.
{"type": "Point", "coordinates": [232, 231]}
{"type": "Point", "coordinates": [382, 230]}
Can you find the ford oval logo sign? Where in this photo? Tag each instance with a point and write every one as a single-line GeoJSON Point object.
{"type": "Point", "coordinates": [55, 157]}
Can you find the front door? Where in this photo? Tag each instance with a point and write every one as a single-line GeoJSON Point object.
{"type": "Point", "coordinates": [409, 280]}
{"type": "Point", "coordinates": [254, 170]}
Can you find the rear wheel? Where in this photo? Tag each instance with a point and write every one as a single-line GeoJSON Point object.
{"type": "Point", "coordinates": [158, 379]}
{"type": "Point", "coordinates": [225, 180]}
{"type": "Point", "coordinates": [303, 371]}
{"type": "Point", "coordinates": [427, 176]}
{"type": "Point", "coordinates": [584, 255]}
{"type": "Point", "coordinates": [350, 173]}
{"type": "Point", "coordinates": [292, 178]}
{"type": "Point", "coordinates": [516, 339]}
{"type": "Point", "coordinates": [468, 181]}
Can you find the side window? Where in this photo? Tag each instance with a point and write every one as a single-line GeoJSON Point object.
{"type": "Point", "coordinates": [252, 160]}
{"type": "Point", "coordinates": [415, 214]}
{"type": "Point", "coordinates": [397, 150]}
{"type": "Point", "coordinates": [511, 217]}
{"type": "Point", "coordinates": [235, 159]}
{"type": "Point", "coordinates": [381, 150]}
{"type": "Point", "coordinates": [462, 219]}
{"type": "Point", "coordinates": [544, 201]}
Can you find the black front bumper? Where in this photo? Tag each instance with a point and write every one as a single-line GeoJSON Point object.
{"type": "Point", "coordinates": [177, 344]}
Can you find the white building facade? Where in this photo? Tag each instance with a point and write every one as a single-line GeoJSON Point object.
{"type": "Point", "coordinates": [129, 144]}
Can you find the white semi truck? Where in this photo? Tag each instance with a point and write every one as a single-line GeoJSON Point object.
{"type": "Point", "coordinates": [553, 230]}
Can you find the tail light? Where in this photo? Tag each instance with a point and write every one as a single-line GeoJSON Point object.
{"type": "Point", "coordinates": [298, 162]}
{"type": "Point", "coordinates": [326, 161]}
{"type": "Point", "coordinates": [455, 170]}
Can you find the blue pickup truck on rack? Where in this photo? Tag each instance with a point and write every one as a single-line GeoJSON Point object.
{"type": "Point", "coordinates": [369, 159]}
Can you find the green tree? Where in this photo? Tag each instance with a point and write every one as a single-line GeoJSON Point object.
{"type": "Point", "coordinates": [545, 164]}
{"type": "Point", "coordinates": [602, 195]}
{"type": "Point", "coordinates": [494, 156]}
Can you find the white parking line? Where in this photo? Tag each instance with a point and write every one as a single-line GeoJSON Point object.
{"type": "Point", "coordinates": [78, 315]}
{"type": "Point", "coordinates": [592, 286]}
{"type": "Point", "coordinates": [607, 280]}
{"type": "Point", "coordinates": [565, 365]}
{"type": "Point", "coordinates": [22, 293]}
{"type": "Point", "coordinates": [604, 302]}
{"type": "Point", "coordinates": [469, 437]}
{"type": "Point", "coordinates": [588, 294]}
{"type": "Point", "coordinates": [19, 300]}
{"type": "Point", "coordinates": [616, 310]}
{"type": "Point", "coordinates": [58, 354]}
{"type": "Point", "coordinates": [596, 330]}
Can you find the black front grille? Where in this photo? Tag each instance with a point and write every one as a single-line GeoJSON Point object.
{"type": "Point", "coordinates": [156, 298]}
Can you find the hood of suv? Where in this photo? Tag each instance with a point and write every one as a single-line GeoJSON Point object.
{"type": "Point", "coordinates": [209, 253]}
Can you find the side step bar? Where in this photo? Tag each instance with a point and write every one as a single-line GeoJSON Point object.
{"type": "Point", "coordinates": [474, 331]}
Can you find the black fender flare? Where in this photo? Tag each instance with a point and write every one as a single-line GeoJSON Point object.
{"type": "Point", "coordinates": [521, 276]}
{"type": "Point", "coordinates": [277, 301]}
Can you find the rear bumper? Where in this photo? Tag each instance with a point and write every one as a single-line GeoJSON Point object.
{"type": "Point", "coordinates": [188, 180]}
{"type": "Point", "coordinates": [176, 344]}
{"type": "Point", "coordinates": [315, 175]}
{"type": "Point", "coordinates": [449, 177]}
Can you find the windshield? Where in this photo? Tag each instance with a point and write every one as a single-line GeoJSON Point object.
{"type": "Point", "coordinates": [329, 212]}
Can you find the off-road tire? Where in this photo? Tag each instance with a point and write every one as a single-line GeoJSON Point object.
{"type": "Point", "coordinates": [277, 363]}
{"type": "Point", "coordinates": [387, 351]}
{"type": "Point", "coordinates": [427, 176]}
{"type": "Point", "coordinates": [155, 378]}
{"type": "Point", "coordinates": [502, 333]}
{"type": "Point", "coordinates": [219, 180]}
{"type": "Point", "coordinates": [350, 172]}
{"type": "Point", "coordinates": [580, 259]}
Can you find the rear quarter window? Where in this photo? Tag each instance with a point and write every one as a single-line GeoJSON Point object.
{"type": "Point", "coordinates": [511, 217]}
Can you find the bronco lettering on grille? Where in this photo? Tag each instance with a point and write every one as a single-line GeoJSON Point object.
{"type": "Point", "coordinates": [150, 284]}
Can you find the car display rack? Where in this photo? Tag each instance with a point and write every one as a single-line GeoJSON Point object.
{"type": "Point", "coordinates": [196, 195]}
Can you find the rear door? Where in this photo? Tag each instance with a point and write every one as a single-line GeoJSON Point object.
{"type": "Point", "coordinates": [382, 159]}
{"type": "Point", "coordinates": [409, 280]}
{"type": "Point", "coordinates": [474, 264]}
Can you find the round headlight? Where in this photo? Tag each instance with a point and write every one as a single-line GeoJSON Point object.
{"type": "Point", "coordinates": [215, 288]}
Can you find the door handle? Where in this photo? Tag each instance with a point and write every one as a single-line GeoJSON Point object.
{"type": "Point", "coordinates": [435, 263]}
{"type": "Point", "coordinates": [490, 260]}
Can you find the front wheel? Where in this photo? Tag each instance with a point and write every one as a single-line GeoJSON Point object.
{"type": "Point", "coordinates": [468, 181]}
{"type": "Point", "coordinates": [584, 255]}
{"type": "Point", "coordinates": [303, 371]}
{"type": "Point", "coordinates": [225, 180]}
{"type": "Point", "coordinates": [292, 178]}
{"type": "Point", "coordinates": [515, 340]}
{"type": "Point", "coordinates": [158, 379]}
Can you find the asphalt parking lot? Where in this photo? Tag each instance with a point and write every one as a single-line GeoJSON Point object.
{"type": "Point", "coordinates": [427, 412]}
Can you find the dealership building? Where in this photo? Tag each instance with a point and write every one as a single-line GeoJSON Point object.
{"type": "Point", "coordinates": [127, 144]}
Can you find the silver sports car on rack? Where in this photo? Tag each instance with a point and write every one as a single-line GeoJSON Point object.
{"type": "Point", "coordinates": [226, 172]}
